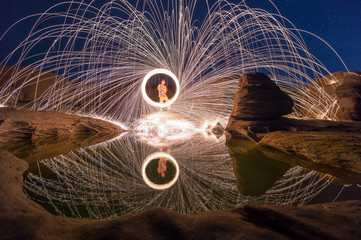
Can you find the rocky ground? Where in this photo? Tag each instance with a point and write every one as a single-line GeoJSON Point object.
{"type": "Point", "coordinates": [21, 218]}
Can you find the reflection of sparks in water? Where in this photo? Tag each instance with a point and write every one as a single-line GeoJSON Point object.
{"type": "Point", "coordinates": [144, 90]}
{"type": "Point", "coordinates": [106, 52]}
{"type": "Point", "coordinates": [160, 155]}
{"type": "Point", "coordinates": [164, 129]}
{"type": "Point", "coordinates": [106, 181]}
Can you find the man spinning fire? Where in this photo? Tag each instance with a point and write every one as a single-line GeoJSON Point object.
{"type": "Point", "coordinates": [162, 92]}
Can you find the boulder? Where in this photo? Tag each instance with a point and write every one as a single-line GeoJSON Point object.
{"type": "Point", "coordinates": [347, 92]}
{"type": "Point", "coordinates": [326, 146]}
{"type": "Point", "coordinates": [218, 130]}
{"type": "Point", "coordinates": [258, 105]}
{"type": "Point", "coordinates": [259, 98]}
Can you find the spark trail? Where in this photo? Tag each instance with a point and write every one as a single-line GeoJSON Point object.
{"type": "Point", "coordinates": [102, 55]}
{"type": "Point", "coordinates": [105, 181]}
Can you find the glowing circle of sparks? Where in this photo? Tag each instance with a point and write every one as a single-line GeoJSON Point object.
{"type": "Point", "coordinates": [155, 156]}
{"type": "Point", "coordinates": [144, 84]}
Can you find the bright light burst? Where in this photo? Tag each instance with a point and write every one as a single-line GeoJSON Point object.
{"type": "Point", "coordinates": [164, 129]}
{"type": "Point", "coordinates": [106, 53]}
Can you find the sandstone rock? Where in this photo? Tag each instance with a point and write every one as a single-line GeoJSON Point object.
{"type": "Point", "coordinates": [259, 98]}
{"type": "Point", "coordinates": [347, 92]}
{"type": "Point", "coordinates": [258, 105]}
{"type": "Point", "coordinates": [321, 145]}
{"type": "Point", "coordinates": [37, 82]}
{"type": "Point", "coordinates": [325, 146]}
{"type": "Point", "coordinates": [20, 128]}
{"type": "Point", "coordinates": [253, 130]}
{"type": "Point", "coordinates": [217, 130]}
{"type": "Point", "coordinates": [21, 218]}
{"type": "Point", "coordinates": [46, 147]}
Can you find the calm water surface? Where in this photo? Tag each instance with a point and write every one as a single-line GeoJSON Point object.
{"type": "Point", "coordinates": [128, 175]}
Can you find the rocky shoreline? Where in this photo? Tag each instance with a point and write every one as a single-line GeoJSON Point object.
{"type": "Point", "coordinates": [34, 135]}
{"type": "Point", "coordinates": [331, 147]}
{"type": "Point", "coordinates": [325, 146]}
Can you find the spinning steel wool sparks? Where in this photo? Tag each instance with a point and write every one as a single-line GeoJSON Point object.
{"type": "Point", "coordinates": [110, 62]}
{"type": "Point", "coordinates": [103, 56]}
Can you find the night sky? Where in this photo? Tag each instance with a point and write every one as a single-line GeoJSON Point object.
{"type": "Point", "coordinates": [336, 21]}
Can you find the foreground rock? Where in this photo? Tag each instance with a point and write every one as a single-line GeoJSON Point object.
{"type": "Point", "coordinates": [21, 218]}
{"type": "Point", "coordinates": [22, 129]}
{"type": "Point", "coordinates": [32, 151]}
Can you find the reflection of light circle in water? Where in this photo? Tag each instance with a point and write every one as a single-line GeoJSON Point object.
{"type": "Point", "coordinates": [152, 73]}
{"type": "Point", "coordinates": [155, 156]}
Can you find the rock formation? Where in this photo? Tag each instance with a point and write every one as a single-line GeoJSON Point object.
{"type": "Point", "coordinates": [21, 129]}
{"type": "Point", "coordinates": [217, 130]}
{"type": "Point", "coordinates": [257, 104]}
{"type": "Point", "coordinates": [37, 82]}
{"type": "Point", "coordinates": [259, 98]}
{"type": "Point", "coordinates": [325, 146]}
{"type": "Point", "coordinates": [347, 92]}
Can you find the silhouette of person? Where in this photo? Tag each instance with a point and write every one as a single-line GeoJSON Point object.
{"type": "Point", "coordinates": [162, 92]}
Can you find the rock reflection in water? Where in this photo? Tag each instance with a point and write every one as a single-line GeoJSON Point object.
{"type": "Point", "coordinates": [105, 181]}
{"type": "Point", "coordinates": [279, 182]}
{"type": "Point", "coordinates": [257, 173]}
